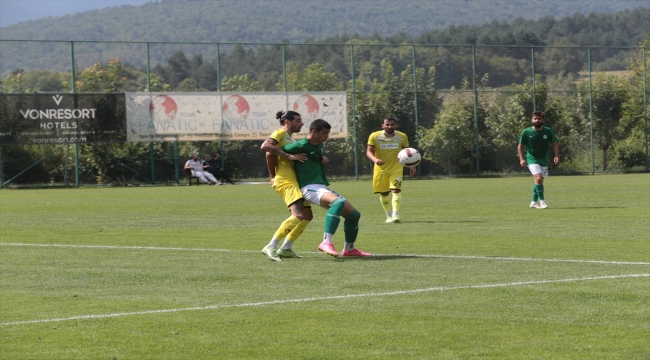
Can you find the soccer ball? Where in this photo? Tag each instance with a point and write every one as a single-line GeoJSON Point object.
{"type": "Point", "coordinates": [409, 157]}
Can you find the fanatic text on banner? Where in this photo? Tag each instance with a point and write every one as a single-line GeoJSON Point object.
{"type": "Point", "coordinates": [227, 116]}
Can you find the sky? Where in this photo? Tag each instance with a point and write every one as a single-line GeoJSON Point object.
{"type": "Point", "coordinates": [15, 11]}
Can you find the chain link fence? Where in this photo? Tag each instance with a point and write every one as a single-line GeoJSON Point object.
{"type": "Point", "coordinates": [462, 106]}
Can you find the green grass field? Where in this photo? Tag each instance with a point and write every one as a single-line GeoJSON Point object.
{"type": "Point", "coordinates": [177, 273]}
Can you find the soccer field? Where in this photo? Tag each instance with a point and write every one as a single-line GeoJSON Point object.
{"type": "Point", "coordinates": [177, 272]}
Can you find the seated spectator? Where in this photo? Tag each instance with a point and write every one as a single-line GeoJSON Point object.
{"type": "Point", "coordinates": [194, 165]}
{"type": "Point", "coordinates": [212, 166]}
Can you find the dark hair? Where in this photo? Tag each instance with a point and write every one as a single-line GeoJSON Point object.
{"type": "Point", "coordinates": [390, 119]}
{"type": "Point", "coordinates": [289, 115]}
{"type": "Point", "coordinates": [318, 125]}
{"type": "Point", "coordinates": [539, 113]}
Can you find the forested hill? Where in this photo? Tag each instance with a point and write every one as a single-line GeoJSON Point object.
{"type": "Point", "coordinates": [295, 21]}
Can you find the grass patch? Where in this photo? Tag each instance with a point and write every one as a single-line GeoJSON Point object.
{"type": "Point", "coordinates": [176, 272]}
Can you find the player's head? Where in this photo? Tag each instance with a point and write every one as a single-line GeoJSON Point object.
{"type": "Point", "coordinates": [538, 118]}
{"type": "Point", "coordinates": [319, 130]}
{"type": "Point", "coordinates": [389, 124]}
{"type": "Point", "coordinates": [195, 156]}
{"type": "Point", "coordinates": [290, 119]}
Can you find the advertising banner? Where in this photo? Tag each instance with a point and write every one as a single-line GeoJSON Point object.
{"type": "Point", "coordinates": [227, 116]}
{"type": "Point", "coordinates": [62, 118]}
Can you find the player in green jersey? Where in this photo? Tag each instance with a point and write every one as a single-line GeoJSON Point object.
{"type": "Point", "coordinates": [313, 184]}
{"type": "Point", "coordinates": [533, 152]}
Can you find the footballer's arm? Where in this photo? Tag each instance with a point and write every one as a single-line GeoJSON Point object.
{"type": "Point", "coordinates": [271, 163]}
{"type": "Point", "coordinates": [370, 153]}
{"type": "Point", "coordinates": [269, 146]}
{"type": "Point", "coordinates": [521, 150]}
{"type": "Point", "coordinates": [556, 150]}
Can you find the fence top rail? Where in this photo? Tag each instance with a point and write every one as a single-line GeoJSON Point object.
{"type": "Point", "coordinates": [332, 44]}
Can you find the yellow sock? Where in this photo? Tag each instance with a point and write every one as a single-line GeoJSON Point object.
{"type": "Point", "coordinates": [397, 199]}
{"type": "Point", "coordinates": [297, 231]}
{"type": "Point", "coordinates": [385, 203]}
{"type": "Point", "coordinates": [286, 227]}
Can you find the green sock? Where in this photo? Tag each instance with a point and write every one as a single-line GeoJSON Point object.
{"type": "Point", "coordinates": [332, 218]}
{"type": "Point", "coordinates": [331, 223]}
{"type": "Point", "coordinates": [540, 191]}
{"type": "Point", "coordinates": [535, 195]}
{"type": "Point", "coordinates": [351, 226]}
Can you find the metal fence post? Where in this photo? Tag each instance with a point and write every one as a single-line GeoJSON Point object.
{"type": "Point", "coordinates": [65, 173]}
{"type": "Point", "coordinates": [2, 173]}
{"type": "Point", "coordinates": [475, 145]}
{"type": "Point", "coordinates": [354, 115]}
{"type": "Point", "coordinates": [73, 88]}
{"type": "Point", "coordinates": [148, 69]}
{"type": "Point", "coordinates": [153, 163]}
{"type": "Point", "coordinates": [415, 102]}
{"type": "Point", "coordinates": [284, 76]}
{"type": "Point", "coordinates": [151, 149]}
{"type": "Point", "coordinates": [591, 113]}
{"type": "Point", "coordinates": [76, 167]}
{"type": "Point", "coordinates": [645, 106]}
{"type": "Point", "coordinates": [532, 62]}
{"type": "Point", "coordinates": [222, 153]}
{"type": "Point", "coordinates": [176, 161]}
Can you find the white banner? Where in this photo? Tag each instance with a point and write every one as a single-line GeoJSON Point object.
{"type": "Point", "coordinates": [227, 116]}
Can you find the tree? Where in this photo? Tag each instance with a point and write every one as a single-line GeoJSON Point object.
{"type": "Point", "coordinates": [607, 105]}
{"type": "Point", "coordinates": [393, 95]}
{"type": "Point", "coordinates": [240, 83]}
{"type": "Point", "coordinates": [190, 85]}
{"type": "Point", "coordinates": [100, 78]}
{"type": "Point", "coordinates": [631, 150]}
{"type": "Point", "coordinates": [311, 78]}
{"type": "Point", "coordinates": [451, 139]}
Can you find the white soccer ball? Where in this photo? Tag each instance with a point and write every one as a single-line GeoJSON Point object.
{"type": "Point", "coordinates": [409, 157]}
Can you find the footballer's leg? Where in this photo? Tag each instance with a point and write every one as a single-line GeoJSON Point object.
{"type": "Point", "coordinates": [305, 215]}
{"type": "Point", "coordinates": [339, 206]}
{"type": "Point", "coordinates": [290, 197]}
{"type": "Point", "coordinates": [536, 170]}
{"type": "Point", "coordinates": [351, 229]}
{"type": "Point", "coordinates": [395, 181]}
{"type": "Point", "coordinates": [380, 185]}
{"type": "Point", "coordinates": [540, 187]}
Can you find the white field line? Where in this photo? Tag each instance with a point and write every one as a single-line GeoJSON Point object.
{"type": "Point", "coordinates": [116, 247]}
{"type": "Point", "coordinates": [335, 297]}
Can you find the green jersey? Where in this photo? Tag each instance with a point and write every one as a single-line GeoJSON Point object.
{"type": "Point", "coordinates": [311, 171]}
{"type": "Point", "coordinates": [537, 143]}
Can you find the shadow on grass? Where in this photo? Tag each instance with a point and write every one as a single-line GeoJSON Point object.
{"type": "Point", "coordinates": [378, 257]}
{"type": "Point", "coordinates": [586, 207]}
{"type": "Point", "coordinates": [441, 221]}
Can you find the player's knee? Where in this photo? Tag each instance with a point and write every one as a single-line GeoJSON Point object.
{"type": "Point", "coordinates": [338, 205]}
{"type": "Point", "coordinates": [305, 216]}
{"type": "Point", "coordinates": [355, 215]}
{"type": "Point", "coordinates": [352, 220]}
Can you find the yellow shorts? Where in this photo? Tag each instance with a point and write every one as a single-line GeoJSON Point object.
{"type": "Point", "coordinates": [382, 183]}
{"type": "Point", "coordinates": [289, 191]}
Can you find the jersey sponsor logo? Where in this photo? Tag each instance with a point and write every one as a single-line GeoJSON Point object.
{"type": "Point", "coordinates": [544, 136]}
{"type": "Point", "coordinates": [389, 146]}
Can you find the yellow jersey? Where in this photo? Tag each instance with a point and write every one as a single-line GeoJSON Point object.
{"type": "Point", "coordinates": [386, 149]}
{"type": "Point", "coordinates": [284, 167]}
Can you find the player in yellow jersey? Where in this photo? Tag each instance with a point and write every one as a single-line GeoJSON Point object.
{"type": "Point", "coordinates": [285, 182]}
{"type": "Point", "coordinates": [383, 147]}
